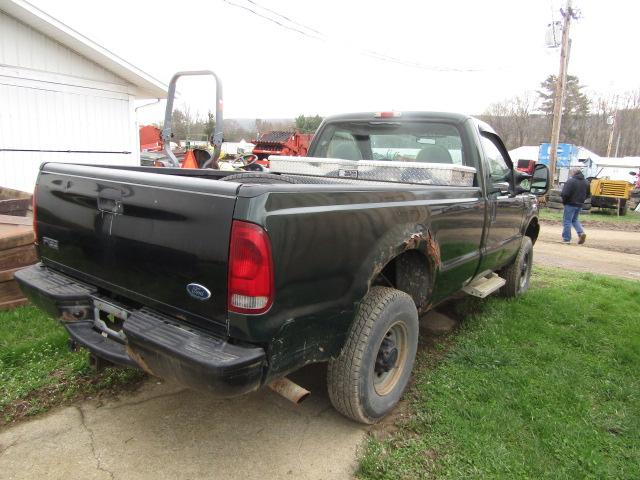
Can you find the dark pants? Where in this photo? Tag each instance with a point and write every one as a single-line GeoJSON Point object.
{"type": "Point", "coordinates": [571, 214]}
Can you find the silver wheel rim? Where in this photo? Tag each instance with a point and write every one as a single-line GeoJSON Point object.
{"type": "Point", "coordinates": [385, 381]}
{"type": "Point", "coordinates": [525, 271]}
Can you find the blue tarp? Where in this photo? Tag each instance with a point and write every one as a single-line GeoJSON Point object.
{"type": "Point", "coordinates": [567, 154]}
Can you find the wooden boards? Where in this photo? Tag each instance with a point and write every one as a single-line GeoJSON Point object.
{"type": "Point", "coordinates": [14, 202]}
{"type": "Point", "coordinates": [16, 251]}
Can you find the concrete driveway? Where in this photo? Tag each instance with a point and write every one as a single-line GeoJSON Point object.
{"type": "Point", "coordinates": [166, 432]}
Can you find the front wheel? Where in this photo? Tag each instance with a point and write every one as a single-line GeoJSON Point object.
{"type": "Point", "coordinates": [518, 273]}
{"type": "Point", "coordinates": [369, 376]}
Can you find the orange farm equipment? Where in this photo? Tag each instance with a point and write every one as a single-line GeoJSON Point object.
{"type": "Point", "coordinates": [150, 139]}
{"type": "Point", "coordinates": [281, 143]}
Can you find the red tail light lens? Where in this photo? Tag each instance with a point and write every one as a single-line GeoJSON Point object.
{"type": "Point", "coordinates": [34, 202]}
{"type": "Point", "coordinates": [250, 279]}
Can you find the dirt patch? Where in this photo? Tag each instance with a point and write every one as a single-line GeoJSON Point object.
{"type": "Point", "coordinates": [600, 239]}
{"type": "Point", "coordinates": [67, 391]}
{"type": "Point", "coordinates": [587, 259]}
{"type": "Point", "coordinates": [599, 224]}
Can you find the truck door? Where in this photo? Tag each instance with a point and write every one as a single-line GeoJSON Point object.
{"type": "Point", "coordinates": [503, 233]}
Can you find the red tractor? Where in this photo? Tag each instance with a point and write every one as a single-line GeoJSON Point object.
{"type": "Point", "coordinates": [277, 142]}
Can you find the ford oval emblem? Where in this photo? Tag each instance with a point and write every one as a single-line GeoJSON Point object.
{"type": "Point", "coordinates": [199, 292]}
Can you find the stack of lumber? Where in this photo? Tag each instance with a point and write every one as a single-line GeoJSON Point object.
{"type": "Point", "coordinates": [14, 202]}
{"type": "Point", "coordinates": [554, 201]}
{"type": "Point", "coordinates": [16, 251]}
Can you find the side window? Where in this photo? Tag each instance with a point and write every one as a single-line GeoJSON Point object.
{"type": "Point", "coordinates": [498, 166]}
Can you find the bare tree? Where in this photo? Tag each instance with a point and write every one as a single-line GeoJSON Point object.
{"type": "Point", "coordinates": [515, 119]}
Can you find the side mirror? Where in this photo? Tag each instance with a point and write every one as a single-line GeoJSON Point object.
{"type": "Point", "coordinates": [522, 182]}
{"type": "Point", "coordinates": [539, 185]}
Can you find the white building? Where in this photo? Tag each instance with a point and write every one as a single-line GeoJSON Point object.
{"type": "Point", "coordinates": [63, 98]}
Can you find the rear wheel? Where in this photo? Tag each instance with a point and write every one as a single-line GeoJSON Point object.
{"type": "Point", "coordinates": [369, 376]}
{"type": "Point", "coordinates": [518, 273]}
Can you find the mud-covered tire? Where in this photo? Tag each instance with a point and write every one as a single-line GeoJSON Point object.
{"type": "Point", "coordinates": [555, 205]}
{"type": "Point", "coordinates": [264, 178]}
{"type": "Point", "coordinates": [518, 273]}
{"type": "Point", "coordinates": [356, 388]}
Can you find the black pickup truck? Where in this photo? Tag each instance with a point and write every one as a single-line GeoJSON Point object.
{"type": "Point", "coordinates": [229, 281]}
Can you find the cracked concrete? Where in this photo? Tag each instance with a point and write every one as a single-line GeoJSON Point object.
{"type": "Point", "coordinates": [166, 432]}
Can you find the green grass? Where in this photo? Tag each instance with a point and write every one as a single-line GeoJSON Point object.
{"type": "Point", "coordinates": [547, 386]}
{"type": "Point", "coordinates": [38, 371]}
{"type": "Point", "coordinates": [604, 216]}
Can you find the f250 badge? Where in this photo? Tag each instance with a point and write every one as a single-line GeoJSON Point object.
{"type": "Point", "coordinates": [199, 292]}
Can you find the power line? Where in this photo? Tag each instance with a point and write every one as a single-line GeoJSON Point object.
{"type": "Point", "coordinates": [287, 18]}
{"type": "Point", "coordinates": [324, 37]}
{"type": "Point", "coordinates": [270, 19]}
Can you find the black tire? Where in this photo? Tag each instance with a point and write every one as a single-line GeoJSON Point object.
{"type": "Point", "coordinates": [623, 208]}
{"type": "Point", "coordinates": [358, 386]}
{"type": "Point", "coordinates": [555, 205]}
{"type": "Point", "coordinates": [268, 178]}
{"type": "Point", "coordinates": [555, 198]}
{"type": "Point", "coordinates": [518, 273]}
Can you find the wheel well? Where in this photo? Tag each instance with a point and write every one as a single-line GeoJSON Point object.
{"type": "Point", "coordinates": [409, 272]}
{"type": "Point", "coordinates": [533, 229]}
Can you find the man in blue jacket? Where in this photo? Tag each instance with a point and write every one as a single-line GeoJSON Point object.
{"type": "Point", "coordinates": [574, 193]}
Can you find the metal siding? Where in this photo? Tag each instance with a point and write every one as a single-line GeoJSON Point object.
{"type": "Point", "coordinates": [40, 113]}
{"type": "Point", "coordinates": [19, 170]}
{"type": "Point", "coordinates": [22, 46]}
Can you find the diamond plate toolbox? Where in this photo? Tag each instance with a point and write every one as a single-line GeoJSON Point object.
{"type": "Point", "coordinates": [376, 170]}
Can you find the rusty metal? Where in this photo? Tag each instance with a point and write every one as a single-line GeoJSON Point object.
{"type": "Point", "coordinates": [136, 357]}
{"type": "Point", "coordinates": [289, 390]}
{"type": "Point", "coordinates": [433, 249]}
{"type": "Point", "coordinates": [75, 314]}
{"type": "Point", "coordinates": [413, 241]}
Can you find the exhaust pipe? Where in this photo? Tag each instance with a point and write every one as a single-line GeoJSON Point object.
{"type": "Point", "coordinates": [289, 390]}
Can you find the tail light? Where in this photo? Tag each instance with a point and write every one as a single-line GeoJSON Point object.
{"type": "Point", "coordinates": [34, 202]}
{"type": "Point", "coordinates": [250, 279]}
{"type": "Point", "coordinates": [387, 114]}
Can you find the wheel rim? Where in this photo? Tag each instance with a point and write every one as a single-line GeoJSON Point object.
{"type": "Point", "coordinates": [391, 359]}
{"type": "Point", "coordinates": [525, 270]}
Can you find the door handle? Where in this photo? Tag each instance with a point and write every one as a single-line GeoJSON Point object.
{"type": "Point", "coordinates": [110, 201]}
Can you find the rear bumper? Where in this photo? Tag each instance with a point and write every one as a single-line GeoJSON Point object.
{"type": "Point", "coordinates": [154, 342]}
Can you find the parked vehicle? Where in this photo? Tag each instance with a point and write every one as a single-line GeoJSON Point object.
{"type": "Point", "coordinates": [228, 282]}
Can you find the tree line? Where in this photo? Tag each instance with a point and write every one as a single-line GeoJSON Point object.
{"type": "Point", "coordinates": [521, 120]}
{"type": "Point", "coordinates": [526, 119]}
{"type": "Point", "coordinates": [187, 125]}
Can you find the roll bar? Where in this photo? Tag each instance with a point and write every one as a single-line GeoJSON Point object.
{"type": "Point", "coordinates": [216, 137]}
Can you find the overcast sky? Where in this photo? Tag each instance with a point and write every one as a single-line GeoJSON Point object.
{"type": "Point", "coordinates": [440, 55]}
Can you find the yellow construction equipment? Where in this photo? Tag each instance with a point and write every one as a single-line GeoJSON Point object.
{"type": "Point", "coordinates": [610, 194]}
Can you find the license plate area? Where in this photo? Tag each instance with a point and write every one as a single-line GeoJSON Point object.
{"type": "Point", "coordinates": [108, 318]}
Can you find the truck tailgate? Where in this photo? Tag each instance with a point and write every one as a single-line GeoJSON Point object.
{"type": "Point", "coordinates": [142, 235]}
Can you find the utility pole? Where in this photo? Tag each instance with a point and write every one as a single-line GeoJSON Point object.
{"type": "Point", "coordinates": [561, 84]}
{"type": "Point", "coordinates": [617, 144]}
{"type": "Point", "coordinates": [612, 121]}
